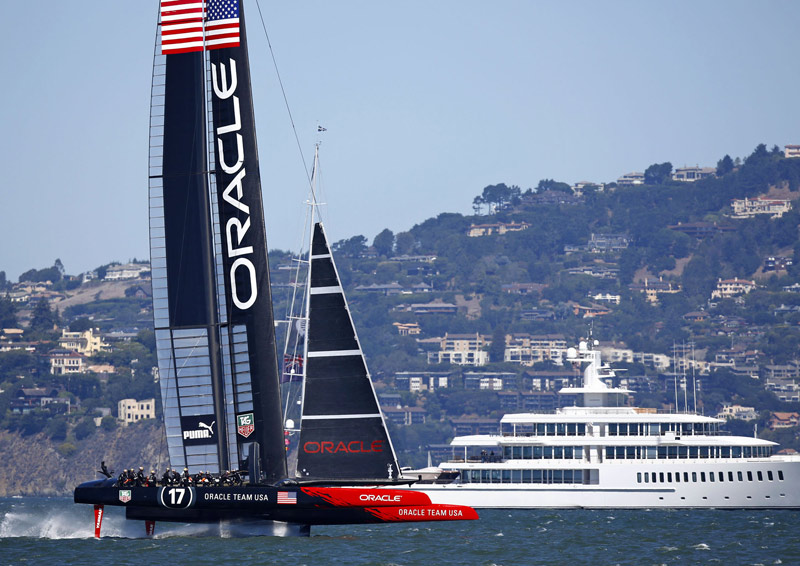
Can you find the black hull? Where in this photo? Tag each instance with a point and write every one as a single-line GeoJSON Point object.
{"type": "Point", "coordinates": [302, 506]}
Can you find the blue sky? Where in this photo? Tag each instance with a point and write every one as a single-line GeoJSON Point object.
{"type": "Point", "coordinates": [425, 104]}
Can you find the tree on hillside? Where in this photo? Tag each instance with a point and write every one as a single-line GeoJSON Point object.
{"type": "Point", "coordinates": [658, 173]}
{"type": "Point", "coordinates": [552, 185]}
{"type": "Point", "coordinates": [404, 243]}
{"type": "Point", "coordinates": [43, 319]}
{"type": "Point", "coordinates": [724, 166]}
{"type": "Point", "coordinates": [53, 274]}
{"type": "Point", "coordinates": [496, 197]}
{"type": "Point", "coordinates": [8, 313]}
{"type": "Point", "coordinates": [384, 242]}
{"type": "Point", "coordinates": [352, 247]}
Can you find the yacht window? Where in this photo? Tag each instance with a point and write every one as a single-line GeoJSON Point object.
{"type": "Point", "coordinates": [551, 429]}
{"type": "Point", "coordinates": [683, 452]}
{"type": "Point", "coordinates": [736, 451]}
{"type": "Point", "coordinates": [678, 477]}
{"type": "Point", "coordinates": [749, 476]}
{"type": "Point", "coordinates": [686, 477]}
{"type": "Point", "coordinates": [661, 477]}
{"type": "Point", "coordinates": [526, 476]}
{"type": "Point", "coordinates": [638, 477]}
{"type": "Point", "coordinates": [537, 476]}
{"type": "Point", "coordinates": [669, 477]}
{"type": "Point", "coordinates": [672, 452]}
{"type": "Point", "coordinates": [612, 429]}
{"type": "Point", "coordinates": [540, 429]}
{"type": "Point", "coordinates": [581, 429]}
{"type": "Point", "coordinates": [662, 452]}
{"type": "Point", "coordinates": [517, 452]}
{"type": "Point", "coordinates": [620, 452]}
{"type": "Point", "coordinates": [623, 429]}
{"type": "Point", "coordinates": [630, 452]}
{"type": "Point", "coordinates": [484, 476]}
{"type": "Point", "coordinates": [726, 452]}
{"type": "Point", "coordinates": [571, 429]}
{"type": "Point", "coordinates": [558, 452]}
{"type": "Point", "coordinates": [710, 477]}
{"type": "Point", "coordinates": [507, 451]}
{"type": "Point", "coordinates": [655, 429]}
{"type": "Point", "coordinates": [568, 452]}
{"type": "Point", "coordinates": [646, 477]}
{"type": "Point", "coordinates": [748, 453]}
{"type": "Point", "coordinates": [769, 475]}
{"type": "Point", "coordinates": [739, 476]}
{"type": "Point", "coordinates": [558, 476]}
{"type": "Point", "coordinates": [537, 452]}
{"type": "Point", "coordinates": [702, 476]}
{"type": "Point", "coordinates": [730, 476]}
{"type": "Point", "coordinates": [561, 429]}
{"type": "Point", "coordinates": [567, 476]}
{"type": "Point", "coordinates": [506, 476]}
{"type": "Point", "coordinates": [704, 451]}
{"type": "Point", "coordinates": [760, 475]}
{"type": "Point", "coordinates": [579, 452]}
{"type": "Point", "coordinates": [780, 475]}
{"type": "Point", "coordinates": [548, 452]}
{"type": "Point", "coordinates": [527, 452]}
{"type": "Point", "coordinates": [693, 451]}
{"type": "Point", "coordinates": [653, 476]}
{"type": "Point", "coordinates": [516, 476]}
{"type": "Point", "coordinates": [694, 476]}
{"type": "Point", "coordinates": [686, 429]}
{"type": "Point", "coordinates": [651, 453]}
{"type": "Point", "coordinates": [721, 476]}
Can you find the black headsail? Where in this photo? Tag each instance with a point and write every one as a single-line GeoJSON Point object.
{"type": "Point", "coordinates": [343, 435]}
{"type": "Point", "coordinates": [212, 303]}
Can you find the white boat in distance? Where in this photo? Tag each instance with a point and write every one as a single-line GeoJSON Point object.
{"type": "Point", "coordinates": [604, 455]}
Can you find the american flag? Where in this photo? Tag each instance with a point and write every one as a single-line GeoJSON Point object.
{"type": "Point", "coordinates": [183, 23]}
{"type": "Point", "coordinates": [287, 497]}
{"type": "Point", "coordinates": [292, 368]}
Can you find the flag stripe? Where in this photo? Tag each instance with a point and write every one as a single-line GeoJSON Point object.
{"type": "Point", "coordinates": [189, 25]}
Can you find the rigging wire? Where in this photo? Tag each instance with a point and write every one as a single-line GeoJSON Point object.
{"type": "Point", "coordinates": [285, 98]}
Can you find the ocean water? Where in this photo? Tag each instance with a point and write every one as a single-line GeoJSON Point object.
{"type": "Point", "coordinates": [56, 531]}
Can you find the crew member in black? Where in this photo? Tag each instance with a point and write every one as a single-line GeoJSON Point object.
{"type": "Point", "coordinates": [187, 479]}
{"type": "Point", "coordinates": [166, 478]}
{"type": "Point", "coordinates": [140, 479]}
{"type": "Point", "coordinates": [123, 478]}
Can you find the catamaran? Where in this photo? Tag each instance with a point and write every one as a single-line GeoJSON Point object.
{"type": "Point", "coordinates": [214, 324]}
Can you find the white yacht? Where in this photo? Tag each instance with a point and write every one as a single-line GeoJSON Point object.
{"type": "Point", "coordinates": [603, 454]}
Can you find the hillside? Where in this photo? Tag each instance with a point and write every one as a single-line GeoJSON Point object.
{"type": "Point", "coordinates": [666, 274]}
{"type": "Point", "coordinates": [35, 465]}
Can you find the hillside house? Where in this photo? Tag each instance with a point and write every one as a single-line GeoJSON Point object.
{"type": "Point", "coordinates": [63, 362]}
{"type": "Point", "coordinates": [86, 342]}
{"type": "Point", "coordinates": [462, 349]}
{"type": "Point", "coordinates": [747, 208]}
{"type": "Point", "coordinates": [692, 174]}
{"type": "Point", "coordinates": [727, 288]}
{"type": "Point", "coordinates": [528, 349]}
{"type": "Point", "coordinates": [132, 411]}
{"type": "Point", "coordinates": [478, 230]}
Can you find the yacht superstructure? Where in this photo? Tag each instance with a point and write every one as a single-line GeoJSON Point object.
{"type": "Point", "coordinates": [603, 454]}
